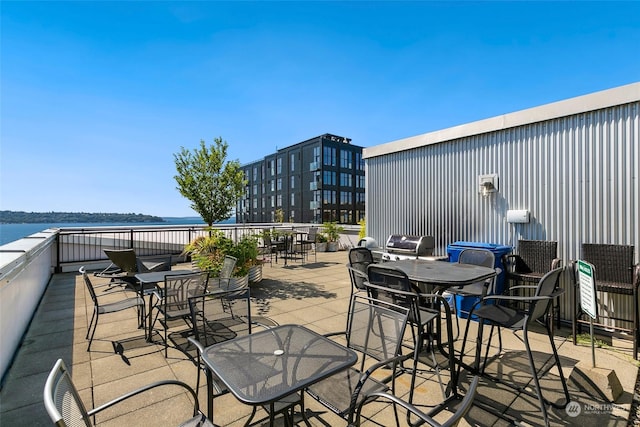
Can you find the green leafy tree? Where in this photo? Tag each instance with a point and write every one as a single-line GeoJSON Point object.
{"type": "Point", "coordinates": [212, 184]}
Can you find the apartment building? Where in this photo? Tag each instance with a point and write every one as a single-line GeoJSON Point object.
{"type": "Point", "coordinates": [314, 181]}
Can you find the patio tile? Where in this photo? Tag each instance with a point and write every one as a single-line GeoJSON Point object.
{"type": "Point", "coordinates": [315, 294]}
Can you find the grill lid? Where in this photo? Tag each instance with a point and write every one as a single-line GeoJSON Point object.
{"type": "Point", "coordinates": [407, 244]}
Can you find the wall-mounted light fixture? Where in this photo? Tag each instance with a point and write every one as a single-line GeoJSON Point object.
{"type": "Point", "coordinates": [487, 184]}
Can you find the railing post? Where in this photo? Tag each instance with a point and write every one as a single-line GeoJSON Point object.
{"type": "Point", "coordinates": [131, 239]}
{"type": "Point", "coordinates": [58, 269]}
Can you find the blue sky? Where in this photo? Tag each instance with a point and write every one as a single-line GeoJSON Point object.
{"type": "Point", "coordinates": [96, 97]}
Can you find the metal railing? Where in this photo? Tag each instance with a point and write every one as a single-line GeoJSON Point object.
{"type": "Point", "coordinates": [86, 245]}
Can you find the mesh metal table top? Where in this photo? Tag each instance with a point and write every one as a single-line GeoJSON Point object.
{"type": "Point", "coordinates": [268, 365]}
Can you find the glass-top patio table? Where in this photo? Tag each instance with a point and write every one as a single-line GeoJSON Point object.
{"type": "Point", "coordinates": [267, 366]}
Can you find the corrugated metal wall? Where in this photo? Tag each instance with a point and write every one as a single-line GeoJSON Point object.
{"type": "Point", "coordinates": [577, 175]}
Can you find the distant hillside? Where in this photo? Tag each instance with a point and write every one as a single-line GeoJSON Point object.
{"type": "Point", "coordinates": [18, 217]}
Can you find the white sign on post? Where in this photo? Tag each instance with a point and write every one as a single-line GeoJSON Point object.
{"type": "Point", "coordinates": [587, 289]}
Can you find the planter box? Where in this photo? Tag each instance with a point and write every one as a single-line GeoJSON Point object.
{"type": "Point", "coordinates": [255, 274]}
{"type": "Point", "coordinates": [332, 246]}
{"type": "Point", "coordinates": [239, 282]}
{"type": "Point", "coordinates": [321, 246]}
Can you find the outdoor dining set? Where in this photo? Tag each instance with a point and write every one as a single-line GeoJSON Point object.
{"type": "Point", "coordinates": [403, 318]}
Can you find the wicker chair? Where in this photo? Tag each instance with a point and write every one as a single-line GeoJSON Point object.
{"type": "Point", "coordinates": [615, 273]}
{"type": "Point", "coordinates": [534, 259]}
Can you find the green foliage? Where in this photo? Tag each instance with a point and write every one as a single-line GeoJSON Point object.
{"type": "Point", "coordinates": [208, 252]}
{"type": "Point", "coordinates": [279, 216]}
{"type": "Point", "coordinates": [332, 230]}
{"type": "Point", "coordinates": [20, 217]}
{"type": "Point", "coordinates": [363, 229]}
{"type": "Point", "coordinates": [212, 184]}
{"type": "Point", "coordinates": [321, 238]}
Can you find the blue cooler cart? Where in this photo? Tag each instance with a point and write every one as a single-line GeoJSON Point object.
{"type": "Point", "coordinates": [465, 303]}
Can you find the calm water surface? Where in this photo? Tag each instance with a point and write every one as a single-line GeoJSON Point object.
{"type": "Point", "coordinates": [11, 232]}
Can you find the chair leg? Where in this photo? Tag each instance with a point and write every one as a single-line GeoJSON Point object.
{"type": "Point", "coordinates": [95, 326]}
{"type": "Point", "coordinates": [534, 373]}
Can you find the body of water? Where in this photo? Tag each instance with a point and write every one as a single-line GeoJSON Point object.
{"type": "Point", "coordinates": [11, 232]}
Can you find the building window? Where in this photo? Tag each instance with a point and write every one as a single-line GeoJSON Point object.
{"type": "Point", "coordinates": [292, 185]}
{"type": "Point", "coordinates": [345, 216]}
{"type": "Point", "coordinates": [345, 179]}
{"type": "Point", "coordinates": [316, 154]}
{"type": "Point", "coordinates": [345, 159]}
{"type": "Point", "coordinates": [359, 162]}
{"type": "Point", "coordinates": [255, 203]}
{"type": "Point", "coordinates": [360, 198]}
{"type": "Point", "coordinates": [279, 186]}
{"type": "Point", "coordinates": [272, 184]}
{"type": "Point", "coordinates": [360, 181]}
{"type": "Point", "coordinates": [272, 167]}
{"type": "Point", "coordinates": [329, 197]}
{"type": "Point", "coordinates": [293, 199]}
{"type": "Point", "coordinates": [255, 189]}
{"type": "Point", "coordinates": [279, 202]}
{"type": "Point", "coordinates": [279, 165]}
{"type": "Point", "coordinates": [329, 156]}
{"type": "Point", "coordinates": [292, 162]}
{"type": "Point", "coordinates": [273, 201]}
{"type": "Point", "coordinates": [345, 198]}
{"type": "Point", "coordinates": [329, 178]}
{"type": "Point", "coordinates": [255, 173]}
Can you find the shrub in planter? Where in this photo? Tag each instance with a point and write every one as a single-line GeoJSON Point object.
{"type": "Point", "coordinates": [332, 230]}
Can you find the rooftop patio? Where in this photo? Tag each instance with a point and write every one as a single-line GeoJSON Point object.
{"type": "Point", "coordinates": [314, 294]}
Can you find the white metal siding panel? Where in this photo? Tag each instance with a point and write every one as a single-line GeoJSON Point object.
{"type": "Point", "coordinates": [577, 175]}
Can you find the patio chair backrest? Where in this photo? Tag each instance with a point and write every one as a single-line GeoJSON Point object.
{"type": "Point", "coordinates": [124, 259]}
{"type": "Point", "coordinates": [536, 256]}
{"type": "Point", "coordinates": [61, 399]}
{"type": "Point", "coordinates": [359, 259]}
{"type": "Point", "coordinates": [546, 287]}
{"type": "Point", "coordinates": [89, 285]}
{"type": "Point", "coordinates": [311, 235]}
{"type": "Point", "coordinates": [614, 263]}
{"type": "Point", "coordinates": [179, 288]}
{"type": "Point", "coordinates": [481, 257]}
{"type": "Point", "coordinates": [375, 328]}
{"type": "Point", "coordinates": [228, 265]}
{"type": "Point", "coordinates": [151, 263]}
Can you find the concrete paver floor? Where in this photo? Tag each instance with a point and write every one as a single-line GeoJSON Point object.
{"type": "Point", "coordinates": [314, 294]}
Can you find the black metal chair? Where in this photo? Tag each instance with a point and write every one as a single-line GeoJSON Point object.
{"type": "Point", "coordinates": [110, 307]}
{"type": "Point", "coordinates": [490, 311]}
{"type": "Point", "coordinates": [65, 408]}
{"type": "Point", "coordinates": [375, 330]}
{"type": "Point", "coordinates": [534, 259]}
{"type": "Point", "coordinates": [310, 242]}
{"type": "Point", "coordinates": [392, 285]}
{"type": "Point", "coordinates": [424, 418]}
{"type": "Point", "coordinates": [615, 274]}
{"type": "Point", "coordinates": [472, 256]}
{"type": "Point", "coordinates": [359, 260]}
{"type": "Point", "coordinates": [173, 300]}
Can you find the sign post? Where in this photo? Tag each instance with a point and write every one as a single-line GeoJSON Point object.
{"type": "Point", "coordinates": [604, 380]}
{"type": "Point", "coordinates": [588, 298]}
